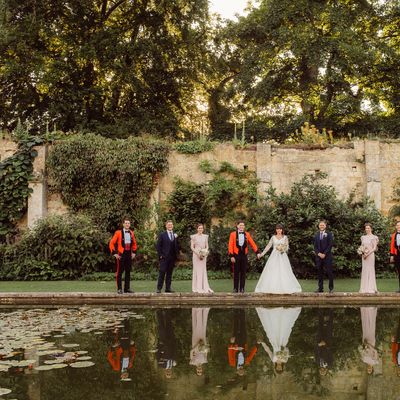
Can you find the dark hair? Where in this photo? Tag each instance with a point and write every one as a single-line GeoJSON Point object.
{"type": "Point", "coordinates": [367, 224]}
{"type": "Point", "coordinates": [239, 222]}
{"type": "Point", "coordinates": [169, 221]}
{"type": "Point", "coordinates": [280, 226]}
{"type": "Point", "coordinates": [126, 219]}
{"type": "Point", "coordinates": [199, 224]}
{"type": "Point", "coordinates": [279, 371]}
{"type": "Point", "coordinates": [323, 221]}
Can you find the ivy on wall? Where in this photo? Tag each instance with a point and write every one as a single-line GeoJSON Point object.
{"type": "Point", "coordinates": [107, 179]}
{"type": "Point", "coordinates": [15, 173]}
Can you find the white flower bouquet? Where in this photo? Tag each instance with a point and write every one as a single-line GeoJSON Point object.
{"type": "Point", "coordinates": [361, 250]}
{"type": "Point", "coordinates": [203, 253]}
{"type": "Point", "coordinates": [282, 248]}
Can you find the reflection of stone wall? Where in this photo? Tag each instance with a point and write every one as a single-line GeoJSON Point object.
{"type": "Point", "coordinates": [368, 167]}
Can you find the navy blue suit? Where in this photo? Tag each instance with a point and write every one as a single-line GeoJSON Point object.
{"type": "Point", "coordinates": [324, 246]}
{"type": "Point", "coordinates": [168, 251]}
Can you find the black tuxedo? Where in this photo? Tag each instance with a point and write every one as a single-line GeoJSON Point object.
{"type": "Point", "coordinates": [323, 352]}
{"type": "Point", "coordinates": [324, 246]}
{"type": "Point", "coordinates": [168, 251]}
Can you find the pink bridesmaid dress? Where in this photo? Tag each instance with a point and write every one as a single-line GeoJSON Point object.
{"type": "Point", "coordinates": [199, 280]}
{"type": "Point", "coordinates": [368, 281]}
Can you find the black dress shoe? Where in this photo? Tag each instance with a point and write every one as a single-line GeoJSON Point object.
{"type": "Point", "coordinates": [129, 291]}
{"type": "Point", "coordinates": [318, 291]}
{"type": "Point", "coordinates": [158, 291]}
{"type": "Point", "coordinates": [119, 291]}
{"type": "Point", "coordinates": [170, 291]}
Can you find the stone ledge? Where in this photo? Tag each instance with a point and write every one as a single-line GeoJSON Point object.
{"type": "Point", "coordinates": [194, 299]}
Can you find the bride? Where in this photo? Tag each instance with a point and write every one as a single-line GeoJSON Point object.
{"type": "Point", "coordinates": [277, 275]}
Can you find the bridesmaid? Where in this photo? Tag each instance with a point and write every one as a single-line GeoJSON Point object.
{"type": "Point", "coordinates": [199, 246]}
{"type": "Point", "coordinates": [369, 242]}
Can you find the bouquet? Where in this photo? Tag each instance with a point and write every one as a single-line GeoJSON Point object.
{"type": "Point", "coordinates": [203, 253]}
{"type": "Point", "coordinates": [361, 250]}
{"type": "Point", "coordinates": [282, 248]}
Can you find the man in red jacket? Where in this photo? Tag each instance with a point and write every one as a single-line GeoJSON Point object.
{"type": "Point", "coordinates": [123, 247]}
{"type": "Point", "coordinates": [238, 248]}
{"type": "Point", "coordinates": [395, 250]}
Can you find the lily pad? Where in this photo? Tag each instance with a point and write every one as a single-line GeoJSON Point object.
{"type": "Point", "coordinates": [82, 364]}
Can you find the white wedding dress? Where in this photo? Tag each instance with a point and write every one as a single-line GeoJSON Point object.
{"type": "Point", "coordinates": [278, 324]}
{"type": "Point", "coordinates": [277, 275]}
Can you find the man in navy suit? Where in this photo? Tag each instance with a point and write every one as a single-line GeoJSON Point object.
{"type": "Point", "coordinates": [168, 250]}
{"type": "Point", "coordinates": [323, 243]}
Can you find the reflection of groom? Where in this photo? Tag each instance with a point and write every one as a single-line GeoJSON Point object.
{"type": "Point", "coordinates": [238, 248]}
{"type": "Point", "coordinates": [323, 348]}
{"type": "Point", "coordinates": [323, 243]}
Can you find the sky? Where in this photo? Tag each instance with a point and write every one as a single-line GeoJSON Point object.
{"type": "Point", "coordinates": [228, 8]}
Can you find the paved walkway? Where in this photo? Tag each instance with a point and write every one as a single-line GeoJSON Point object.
{"type": "Point", "coordinates": [194, 299]}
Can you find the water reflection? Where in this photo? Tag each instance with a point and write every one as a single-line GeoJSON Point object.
{"type": "Point", "coordinates": [278, 324]}
{"type": "Point", "coordinates": [200, 353]}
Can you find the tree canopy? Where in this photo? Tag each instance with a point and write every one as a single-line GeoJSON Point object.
{"type": "Point", "coordinates": [169, 68]}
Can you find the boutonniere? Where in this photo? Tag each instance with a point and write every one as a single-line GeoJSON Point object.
{"type": "Point", "coordinates": [175, 235]}
{"type": "Point", "coordinates": [324, 234]}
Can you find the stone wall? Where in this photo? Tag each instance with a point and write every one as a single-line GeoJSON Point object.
{"type": "Point", "coordinates": [367, 167]}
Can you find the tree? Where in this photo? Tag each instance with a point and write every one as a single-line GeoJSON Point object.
{"type": "Point", "coordinates": [93, 64]}
{"type": "Point", "coordinates": [328, 62]}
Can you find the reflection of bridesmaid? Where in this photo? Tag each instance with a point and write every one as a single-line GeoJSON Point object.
{"type": "Point", "coordinates": [199, 246]}
{"type": "Point", "coordinates": [200, 347]}
{"type": "Point", "coordinates": [278, 324]}
{"type": "Point", "coordinates": [323, 348]}
{"type": "Point", "coordinates": [239, 356]}
{"type": "Point", "coordinates": [368, 352]}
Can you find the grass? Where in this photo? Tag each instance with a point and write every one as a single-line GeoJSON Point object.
{"type": "Point", "coordinates": [220, 285]}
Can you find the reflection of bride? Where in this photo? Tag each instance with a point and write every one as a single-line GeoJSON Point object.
{"type": "Point", "coordinates": [369, 354]}
{"type": "Point", "coordinates": [278, 324]}
{"type": "Point", "coordinates": [277, 275]}
{"type": "Point", "coordinates": [200, 347]}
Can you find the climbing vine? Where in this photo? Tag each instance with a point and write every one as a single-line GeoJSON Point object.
{"type": "Point", "coordinates": [15, 173]}
{"type": "Point", "coordinates": [107, 179]}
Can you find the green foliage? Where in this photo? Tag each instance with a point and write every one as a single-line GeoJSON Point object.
{"type": "Point", "coordinates": [58, 247]}
{"type": "Point", "coordinates": [115, 67]}
{"type": "Point", "coordinates": [15, 173]}
{"type": "Point", "coordinates": [194, 147]}
{"type": "Point", "coordinates": [107, 179]}
{"type": "Point", "coordinates": [230, 195]}
{"type": "Point", "coordinates": [300, 210]}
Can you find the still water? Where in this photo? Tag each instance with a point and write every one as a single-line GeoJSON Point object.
{"type": "Point", "coordinates": [200, 353]}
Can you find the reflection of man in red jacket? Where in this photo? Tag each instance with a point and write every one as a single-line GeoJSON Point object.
{"type": "Point", "coordinates": [122, 353]}
{"type": "Point", "coordinates": [396, 349]}
{"type": "Point", "coordinates": [123, 247]}
{"type": "Point", "coordinates": [239, 354]}
{"type": "Point", "coordinates": [238, 248]}
{"type": "Point", "coordinates": [395, 250]}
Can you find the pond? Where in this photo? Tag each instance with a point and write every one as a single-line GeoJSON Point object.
{"type": "Point", "coordinates": [199, 353]}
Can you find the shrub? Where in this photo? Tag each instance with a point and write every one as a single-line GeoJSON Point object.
{"type": "Point", "coordinates": [58, 247]}
{"type": "Point", "coordinates": [194, 146]}
{"type": "Point", "coordinates": [300, 210]}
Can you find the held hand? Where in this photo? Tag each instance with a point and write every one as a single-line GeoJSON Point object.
{"type": "Point", "coordinates": [321, 255]}
{"type": "Point", "coordinates": [133, 255]}
{"type": "Point", "coordinates": [117, 256]}
{"type": "Point", "coordinates": [391, 259]}
{"type": "Point", "coordinates": [233, 259]}
{"type": "Point", "coordinates": [259, 256]}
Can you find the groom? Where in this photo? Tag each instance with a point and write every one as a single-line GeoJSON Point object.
{"type": "Point", "coordinates": [323, 243]}
{"type": "Point", "coordinates": [168, 250]}
{"type": "Point", "coordinates": [238, 248]}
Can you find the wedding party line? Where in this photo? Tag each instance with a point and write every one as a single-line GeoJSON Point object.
{"type": "Point", "coordinates": [277, 276]}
